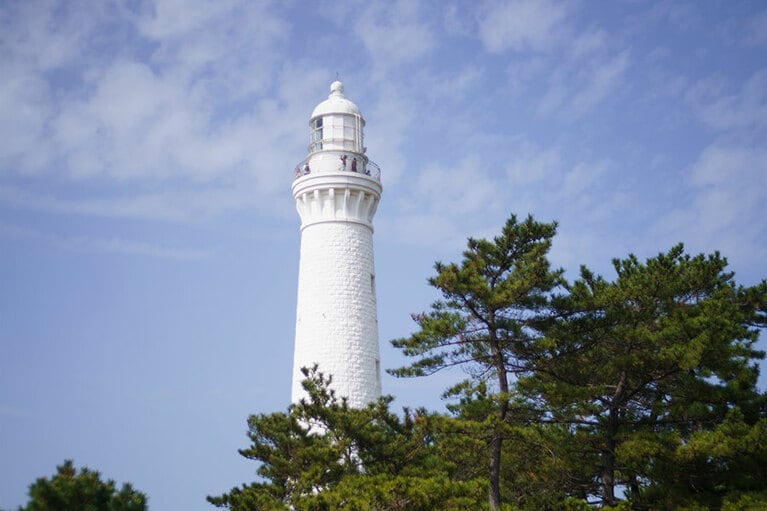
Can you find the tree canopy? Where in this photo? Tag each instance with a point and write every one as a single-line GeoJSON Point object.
{"type": "Point", "coordinates": [642, 364]}
{"type": "Point", "coordinates": [70, 490]}
{"type": "Point", "coordinates": [487, 319]}
{"type": "Point", "coordinates": [618, 376]}
{"type": "Point", "coordinates": [322, 454]}
{"type": "Point", "coordinates": [636, 392]}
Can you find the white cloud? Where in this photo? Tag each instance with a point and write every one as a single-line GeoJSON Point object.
{"type": "Point", "coordinates": [554, 98]}
{"type": "Point", "coordinates": [729, 186]}
{"type": "Point", "coordinates": [459, 190]}
{"type": "Point", "coordinates": [588, 42]}
{"type": "Point", "coordinates": [738, 171]}
{"type": "Point", "coordinates": [394, 115]}
{"type": "Point", "coordinates": [38, 39]}
{"type": "Point", "coordinates": [580, 194]}
{"type": "Point", "coordinates": [570, 70]}
{"type": "Point", "coordinates": [755, 30]}
{"type": "Point", "coordinates": [140, 126]}
{"type": "Point", "coordinates": [521, 24]}
{"type": "Point", "coordinates": [533, 165]}
{"type": "Point", "coordinates": [544, 177]}
{"type": "Point", "coordinates": [394, 34]}
{"type": "Point", "coordinates": [176, 205]}
{"type": "Point", "coordinates": [450, 201]}
{"type": "Point", "coordinates": [129, 127]}
{"type": "Point", "coordinates": [452, 86]}
{"type": "Point", "coordinates": [681, 16]}
{"type": "Point", "coordinates": [423, 229]}
{"type": "Point", "coordinates": [583, 176]}
{"type": "Point", "coordinates": [178, 114]}
{"type": "Point", "coordinates": [24, 108]}
{"type": "Point", "coordinates": [605, 78]}
{"type": "Point", "coordinates": [43, 35]}
{"type": "Point", "coordinates": [224, 50]}
{"type": "Point", "coordinates": [743, 109]}
{"type": "Point", "coordinates": [113, 245]}
{"type": "Point", "coordinates": [166, 19]}
{"type": "Point", "coordinates": [442, 202]}
{"type": "Point", "coordinates": [455, 21]}
{"type": "Point", "coordinates": [718, 164]}
{"type": "Point", "coordinates": [168, 128]}
{"type": "Point", "coordinates": [577, 87]}
{"type": "Point", "coordinates": [122, 246]}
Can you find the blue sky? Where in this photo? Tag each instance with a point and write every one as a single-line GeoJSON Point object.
{"type": "Point", "coordinates": [149, 241]}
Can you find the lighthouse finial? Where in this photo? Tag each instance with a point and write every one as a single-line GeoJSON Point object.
{"type": "Point", "coordinates": [336, 88]}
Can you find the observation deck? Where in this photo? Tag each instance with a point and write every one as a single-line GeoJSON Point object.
{"type": "Point", "coordinates": [364, 167]}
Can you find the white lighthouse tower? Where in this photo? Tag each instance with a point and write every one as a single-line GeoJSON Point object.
{"type": "Point", "coordinates": [337, 189]}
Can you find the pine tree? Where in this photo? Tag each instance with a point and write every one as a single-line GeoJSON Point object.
{"type": "Point", "coordinates": [643, 364]}
{"type": "Point", "coordinates": [487, 320]}
{"type": "Point", "coordinates": [322, 454]}
{"type": "Point", "coordinates": [69, 489]}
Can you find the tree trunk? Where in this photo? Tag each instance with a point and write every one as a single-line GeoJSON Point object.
{"type": "Point", "coordinates": [608, 463]}
{"type": "Point", "coordinates": [494, 488]}
{"type": "Point", "coordinates": [496, 443]}
{"type": "Point", "coordinates": [608, 454]}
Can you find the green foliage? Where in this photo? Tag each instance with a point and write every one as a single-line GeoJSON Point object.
{"type": "Point", "coordinates": [644, 384]}
{"type": "Point", "coordinates": [323, 454]}
{"type": "Point", "coordinates": [713, 466]}
{"type": "Point", "coordinates": [541, 464]}
{"type": "Point", "coordinates": [573, 504]}
{"type": "Point", "coordinates": [491, 302]}
{"type": "Point", "coordinates": [746, 502]}
{"type": "Point", "coordinates": [83, 491]}
{"type": "Point", "coordinates": [487, 322]}
{"type": "Point", "coordinates": [643, 363]}
{"type": "Point", "coordinates": [388, 493]}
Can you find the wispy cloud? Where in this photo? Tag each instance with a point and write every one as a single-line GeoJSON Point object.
{"type": "Point", "coordinates": [181, 205]}
{"type": "Point", "coordinates": [588, 42]}
{"type": "Point", "coordinates": [755, 30]}
{"type": "Point", "coordinates": [578, 86]}
{"type": "Point", "coordinates": [521, 24]}
{"type": "Point", "coordinates": [605, 78]}
{"type": "Point", "coordinates": [394, 33]}
{"type": "Point", "coordinates": [729, 186]}
{"type": "Point", "coordinates": [224, 50]}
{"type": "Point", "coordinates": [196, 112]}
{"type": "Point", "coordinates": [112, 245]}
{"type": "Point", "coordinates": [439, 204]}
{"type": "Point", "coordinates": [166, 117]}
{"type": "Point", "coordinates": [531, 165]}
{"type": "Point", "coordinates": [723, 110]}
{"type": "Point", "coordinates": [466, 187]}
{"type": "Point", "coordinates": [390, 136]}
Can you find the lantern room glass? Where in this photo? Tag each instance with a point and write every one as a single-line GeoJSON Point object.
{"type": "Point", "coordinates": [336, 132]}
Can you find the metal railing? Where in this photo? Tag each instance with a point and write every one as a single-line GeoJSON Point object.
{"type": "Point", "coordinates": [370, 169]}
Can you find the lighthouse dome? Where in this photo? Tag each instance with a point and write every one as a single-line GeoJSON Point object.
{"type": "Point", "coordinates": [336, 103]}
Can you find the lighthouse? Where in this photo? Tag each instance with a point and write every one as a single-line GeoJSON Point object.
{"type": "Point", "coordinates": [337, 189]}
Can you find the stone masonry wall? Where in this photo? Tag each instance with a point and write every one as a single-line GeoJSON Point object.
{"type": "Point", "coordinates": [336, 320]}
